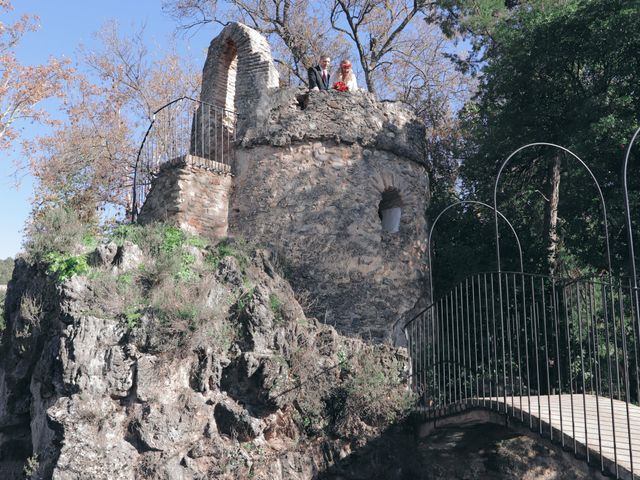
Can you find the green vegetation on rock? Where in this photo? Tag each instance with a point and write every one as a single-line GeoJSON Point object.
{"type": "Point", "coordinates": [57, 230]}
{"type": "Point", "coordinates": [6, 269]}
{"type": "Point", "coordinates": [64, 266]}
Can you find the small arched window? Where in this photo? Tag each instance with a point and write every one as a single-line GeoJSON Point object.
{"type": "Point", "coordinates": [390, 210]}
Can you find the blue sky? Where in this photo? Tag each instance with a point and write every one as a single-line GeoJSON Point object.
{"type": "Point", "coordinates": [64, 25]}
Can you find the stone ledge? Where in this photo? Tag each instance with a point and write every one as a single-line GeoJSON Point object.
{"type": "Point", "coordinates": [195, 161]}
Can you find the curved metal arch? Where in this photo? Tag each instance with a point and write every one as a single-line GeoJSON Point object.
{"type": "Point", "coordinates": [463, 202]}
{"type": "Point", "coordinates": [604, 206]}
{"type": "Point", "coordinates": [627, 207]}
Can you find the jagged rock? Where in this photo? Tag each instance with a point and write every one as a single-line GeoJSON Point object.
{"type": "Point", "coordinates": [230, 272]}
{"type": "Point", "coordinates": [162, 426]}
{"type": "Point", "coordinates": [103, 255]}
{"type": "Point", "coordinates": [93, 397]}
{"type": "Point", "coordinates": [128, 257]}
{"type": "Point", "coordinates": [236, 423]}
{"type": "Point", "coordinates": [207, 371]}
{"type": "Point", "coordinates": [147, 374]}
{"type": "Point", "coordinates": [120, 381]}
{"type": "Point", "coordinates": [217, 294]}
{"type": "Point", "coordinates": [258, 381]}
{"type": "Point", "coordinates": [90, 449]}
{"type": "Point", "coordinates": [258, 320]}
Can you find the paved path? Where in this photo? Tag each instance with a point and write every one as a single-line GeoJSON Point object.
{"type": "Point", "coordinates": [606, 431]}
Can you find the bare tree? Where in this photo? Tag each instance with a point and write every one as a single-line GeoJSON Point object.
{"type": "Point", "coordinates": [87, 161]}
{"type": "Point", "coordinates": [22, 87]}
{"type": "Point", "coordinates": [375, 28]}
{"type": "Point", "coordinates": [297, 29]}
{"type": "Point", "coordinates": [420, 75]}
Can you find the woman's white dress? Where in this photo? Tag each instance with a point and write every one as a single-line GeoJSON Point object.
{"type": "Point", "coordinates": [352, 83]}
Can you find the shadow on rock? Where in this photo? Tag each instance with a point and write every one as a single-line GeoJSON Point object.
{"type": "Point", "coordinates": [479, 451]}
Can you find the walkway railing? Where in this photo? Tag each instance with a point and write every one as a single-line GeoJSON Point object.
{"type": "Point", "coordinates": [184, 131]}
{"type": "Point", "coordinates": [561, 356]}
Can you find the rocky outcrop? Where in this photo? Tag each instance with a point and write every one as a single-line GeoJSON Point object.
{"type": "Point", "coordinates": [252, 388]}
{"type": "Point", "coordinates": [218, 373]}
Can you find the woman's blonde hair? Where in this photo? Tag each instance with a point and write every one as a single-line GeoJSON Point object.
{"type": "Point", "coordinates": [349, 74]}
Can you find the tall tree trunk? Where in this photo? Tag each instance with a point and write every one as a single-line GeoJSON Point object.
{"type": "Point", "coordinates": [552, 193]}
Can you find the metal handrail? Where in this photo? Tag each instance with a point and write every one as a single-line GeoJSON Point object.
{"type": "Point", "coordinates": [202, 129]}
{"type": "Point", "coordinates": [569, 350]}
{"type": "Point", "coordinates": [539, 341]}
{"type": "Point", "coordinates": [467, 202]}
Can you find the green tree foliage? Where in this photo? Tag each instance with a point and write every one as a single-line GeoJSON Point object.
{"type": "Point", "coordinates": [6, 269]}
{"type": "Point", "coordinates": [561, 72]}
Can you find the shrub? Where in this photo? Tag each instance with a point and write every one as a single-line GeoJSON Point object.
{"type": "Point", "coordinates": [132, 232]}
{"type": "Point", "coordinates": [172, 239]}
{"type": "Point", "coordinates": [54, 229]}
{"type": "Point", "coordinates": [116, 294]}
{"type": "Point", "coordinates": [166, 245]}
{"type": "Point", "coordinates": [196, 241]}
{"type": "Point", "coordinates": [32, 466]}
{"type": "Point", "coordinates": [178, 309]}
{"type": "Point", "coordinates": [63, 265]}
{"type": "Point", "coordinates": [132, 315]}
{"type": "Point", "coordinates": [239, 249]}
{"type": "Point", "coordinates": [276, 308]}
{"type": "Point", "coordinates": [185, 271]}
{"type": "Point", "coordinates": [30, 308]}
{"type": "Point", "coordinates": [154, 239]}
{"type": "Point", "coordinates": [244, 299]}
{"type": "Point", "coordinates": [375, 390]}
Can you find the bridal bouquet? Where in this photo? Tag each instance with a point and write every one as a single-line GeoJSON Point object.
{"type": "Point", "coordinates": [341, 87]}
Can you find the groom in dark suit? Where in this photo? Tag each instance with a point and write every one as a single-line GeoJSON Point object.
{"type": "Point", "coordinates": [319, 75]}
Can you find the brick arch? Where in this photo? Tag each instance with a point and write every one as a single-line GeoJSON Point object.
{"type": "Point", "coordinates": [238, 72]}
{"type": "Point", "coordinates": [385, 182]}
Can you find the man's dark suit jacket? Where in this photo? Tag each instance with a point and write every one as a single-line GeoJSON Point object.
{"type": "Point", "coordinates": [315, 79]}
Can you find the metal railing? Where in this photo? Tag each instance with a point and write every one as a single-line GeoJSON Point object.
{"type": "Point", "coordinates": [559, 355]}
{"type": "Point", "coordinates": [184, 130]}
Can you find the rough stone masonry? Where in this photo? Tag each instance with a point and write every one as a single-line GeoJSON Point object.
{"type": "Point", "coordinates": [313, 175]}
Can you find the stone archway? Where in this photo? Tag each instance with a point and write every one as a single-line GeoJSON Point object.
{"type": "Point", "coordinates": [238, 72]}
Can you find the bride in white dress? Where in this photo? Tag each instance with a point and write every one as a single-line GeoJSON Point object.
{"type": "Point", "coordinates": [346, 76]}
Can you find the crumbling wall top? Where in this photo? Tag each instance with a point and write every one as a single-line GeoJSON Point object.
{"type": "Point", "coordinates": [295, 115]}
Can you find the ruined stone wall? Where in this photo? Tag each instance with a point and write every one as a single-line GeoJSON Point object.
{"type": "Point", "coordinates": [313, 171]}
{"type": "Point", "coordinates": [296, 115]}
{"type": "Point", "coordinates": [309, 184]}
{"type": "Point", "coordinates": [317, 205]}
{"type": "Point", "coordinates": [190, 196]}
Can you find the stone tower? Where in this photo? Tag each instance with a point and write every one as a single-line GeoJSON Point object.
{"type": "Point", "coordinates": [334, 182]}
